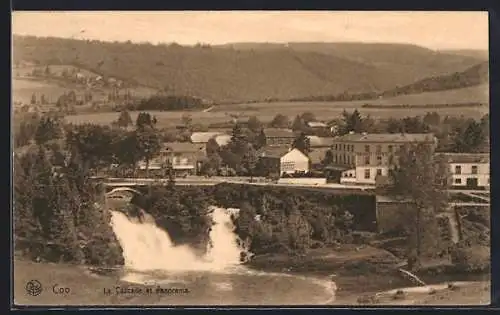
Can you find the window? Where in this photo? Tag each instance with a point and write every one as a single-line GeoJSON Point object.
{"type": "Point", "coordinates": [379, 148]}
{"type": "Point", "coordinates": [367, 173]}
{"type": "Point", "coordinates": [367, 160]}
{"type": "Point", "coordinates": [458, 169]}
{"type": "Point", "coordinates": [379, 172]}
{"type": "Point", "coordinates": [389, 148]}
{"type": "Point", "coordinates": [474, 169]}
{"type": "Point", "coordinates": [288, 166]}
{"type": "Point", "coordinates": [379, 159]}
{"type": "Point", "coordinates": [336, 158]}
{"type": "Point", "coordinates": [458, 180]}
{"type": "Point", "coordinates": [367, 148]}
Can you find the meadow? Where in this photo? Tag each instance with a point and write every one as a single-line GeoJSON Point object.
{"type": "Point", "coordinates": [168, 119]}
{"type": "Point", "coordinates": [24, 87]}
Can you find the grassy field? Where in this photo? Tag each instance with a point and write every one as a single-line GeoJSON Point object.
{"type": "Point", "coordinates": [323, 111]}
{"type": "Point", "coordinates": [23, 89]}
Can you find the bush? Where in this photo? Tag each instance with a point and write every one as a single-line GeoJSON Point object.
{"type": "Point", "coordinates": [368, 299]}
{"type": "Point", "coordinates": [471, 259]}
{"type": "Point", "coordinates": [399, 295]}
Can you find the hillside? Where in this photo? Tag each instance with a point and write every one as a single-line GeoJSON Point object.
{"type": "Point", "coordinates": [472, 76]}
{"type": "Point", "coordinates": [227, 74]}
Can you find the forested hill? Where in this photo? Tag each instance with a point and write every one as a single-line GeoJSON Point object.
{"type": "Point", "coordinates": [237, 74]}
{"type": "Point", "coordinates": [473, 76]}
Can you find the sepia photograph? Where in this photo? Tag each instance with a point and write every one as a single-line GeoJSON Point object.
{"type": "Point", "coordinates": [250, 158]}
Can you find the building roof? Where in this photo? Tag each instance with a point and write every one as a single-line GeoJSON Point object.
{"type": "Point", "coordinates": [273, 151]}
{"type": "Point", "coordinates": [279, 133]}
{"type": "Point", "coordinates": [467, 157]}
{"type": "Point", "coordinates": [182, 147]}
{"type": "Point", "coordinates": [317, 155]}
{"type": "Point", "coordinates": [320, 142]}
{"type": "Point", "coordinates": [392, 199]}
{"type": "Point", "coordinates": [387, 137]}
{"type": "Point", "coordinates": [317, 124]}
{"type": "Point", "coordinates": [203, 137]}
{"type": "Point", "coordinates": [222, 140]}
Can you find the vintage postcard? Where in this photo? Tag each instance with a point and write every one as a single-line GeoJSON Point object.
{"type": "Point", "coordinates": [250, 158]}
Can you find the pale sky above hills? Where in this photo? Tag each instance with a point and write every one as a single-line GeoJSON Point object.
{"type": "Point", "coordinates": [435, 30]}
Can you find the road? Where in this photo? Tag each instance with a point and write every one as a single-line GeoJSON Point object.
{"type": "Point", "coordinates": [203, 181]}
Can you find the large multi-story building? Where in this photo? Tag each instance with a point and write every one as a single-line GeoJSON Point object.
{"type": "Point", "coordinates": [469, 170]}
{"type": "Point", "coordinates": [363, 157]}
{"type": "Point", "coordinates": [279, 137]}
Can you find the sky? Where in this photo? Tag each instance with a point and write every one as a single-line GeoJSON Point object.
{"type": "Point", "coordinates": [434, 30]}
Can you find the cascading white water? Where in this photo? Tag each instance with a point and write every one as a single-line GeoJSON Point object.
{"type": "Point", "coordinates": [147, 247]}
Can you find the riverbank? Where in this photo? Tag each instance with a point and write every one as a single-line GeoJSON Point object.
{"type": "Point", "coordinates": [365, 271]}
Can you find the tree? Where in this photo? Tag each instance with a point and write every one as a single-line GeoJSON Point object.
{"type": "Point", "coordinates": [254, 124]}
{"type": "Point", "coordinates": [71, 97]}
{"type": "Point", "coordinates": [261, 140]}
{"type": "Point", "coordinates": [33, 99]}
{"type": "Point", "coordinates": [126, 149]}
{"type": "Point", "coordinates": [211, 165]}
{"type": "Point", "coordinates": [423, 180]}
{"type": "Point", "coordinates": [187, 121]}
{"type": "Point", "coordinates": [328, 159]}
{"type": "Point", "coordinates": [43, 100]}
{"type": "Point", "coordinates": [238, 144]}
{"type": "Point", "coordinates": [124, 120]}
{"type": "Point", "coordinates": [299, 124]}
{"type": "Point", "coordinates": [432, 119]}
{"type": "Point", "coordinates": [308, 117]}
{"type": "Point", "coordinates": [249, 161]}
{"type": "Point", "coordinates": [352, 122]}
{"type": "Point", "coordinates": [47, 129]}
{"type": "Point", "coordinates": [469, 138]}
{"type": "Point", "coordinates": [302, 143]}
{"type": "Point", "coordinates": [145, 120]}
{"type": "Point", "coordinates": [149, 146]}
{"type": "Point", "coordinates": [280, 121]}
{"type": "Point", "coordinates": [94, 143]}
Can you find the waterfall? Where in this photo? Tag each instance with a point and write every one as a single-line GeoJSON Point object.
{"type": "Point", "coordinates": [147, 247]}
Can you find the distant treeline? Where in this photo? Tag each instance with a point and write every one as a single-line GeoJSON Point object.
{"type": "Point", "coordinates": [168, 103]}
{"type": "Point", "coordinates": [433, 106]}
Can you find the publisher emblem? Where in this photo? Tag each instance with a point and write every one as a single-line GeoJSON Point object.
{"type": "Point", "coordinates": [33, 287]}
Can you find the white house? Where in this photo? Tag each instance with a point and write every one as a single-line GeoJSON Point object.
{"type": "Point", "coordinates": [283, 160]}
{"type": "Point", "coordinates": [469, 170]}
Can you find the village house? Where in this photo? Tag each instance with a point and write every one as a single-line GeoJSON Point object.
{"type": "Point", "coordinates": [279, 137]}
{"type": "Point", "coordinates": [283, 160]}
{"type": "Point", "coordinates": [184, 157]}
{"type": "Point", "coordinates": [361, 158]}
{"type": "Point", "coordinates": [469, 170]}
